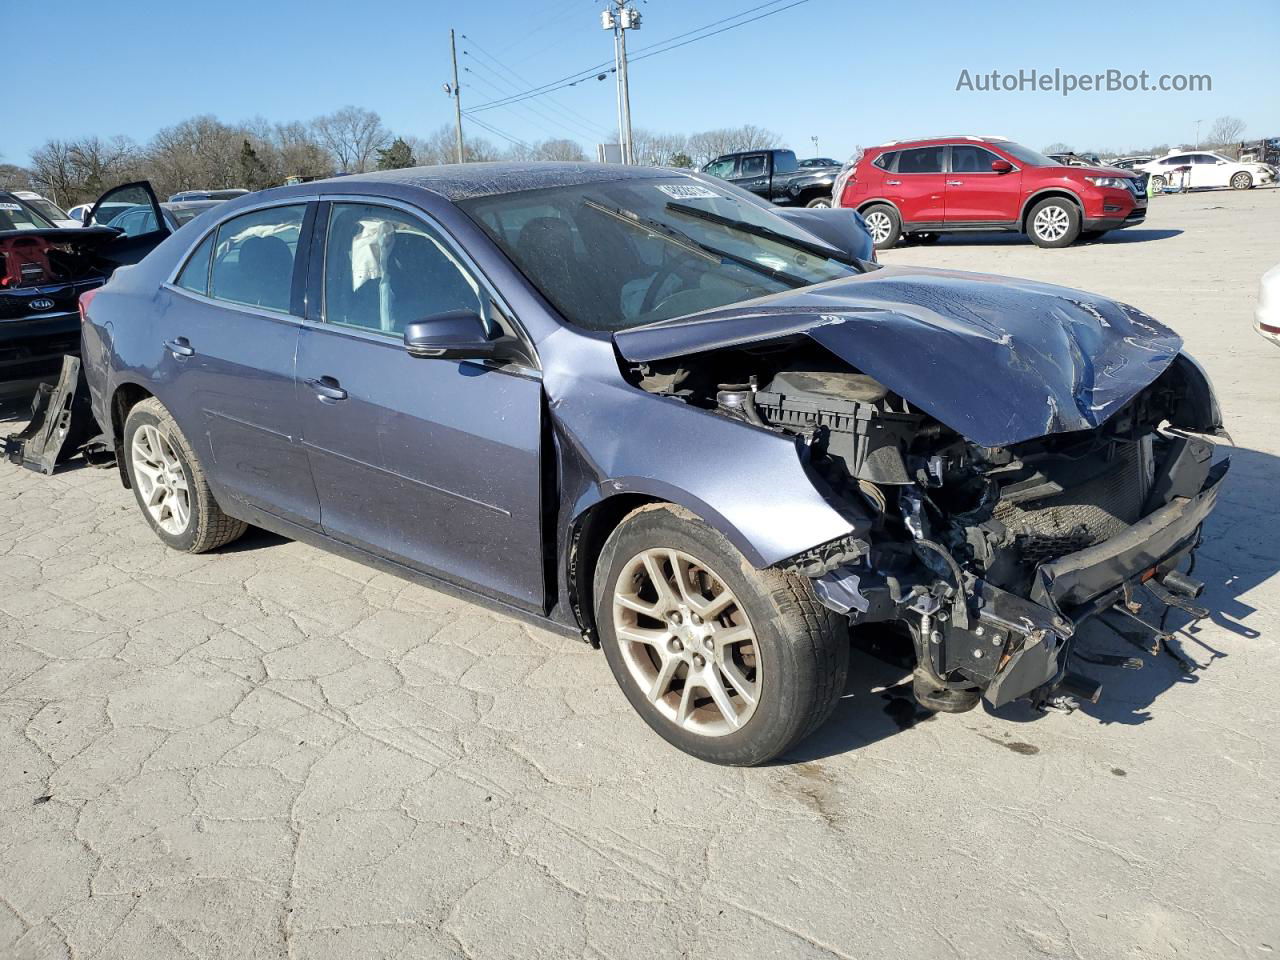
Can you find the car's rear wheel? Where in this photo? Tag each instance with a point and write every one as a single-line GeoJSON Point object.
{"type": "Point", "coordinates": [1054, 222]}
{"type": "Point", "coordinates": [884, 225]}
{"type": "Point", "coordinates": [1158, 183]}
{"type": "Point", "coordinates": [1241, 181]}
{"type": "Point", "coordinates": [731, 664]}
{"type": "Point", "coordinates": [819, 202]}
{"type": "Point", "coordinates": [169, 482]}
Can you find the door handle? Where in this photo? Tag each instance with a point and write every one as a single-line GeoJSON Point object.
{"type": "Point", "coordinates": [180, 347]}
{"type": "Point", "coordinates": [894, 183]}
{"type": "Point", "coordinates": [327, 389]}
{"type": "Point", "coordinates": [955, 183]}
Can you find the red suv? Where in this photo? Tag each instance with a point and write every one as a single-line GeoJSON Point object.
{"type": "Point", "coordinates": [923, 188]}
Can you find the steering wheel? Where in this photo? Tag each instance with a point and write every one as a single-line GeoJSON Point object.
{"type": "Point", "coordinates": [651, 295]}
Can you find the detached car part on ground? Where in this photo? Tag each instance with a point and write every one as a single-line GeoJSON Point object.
{"type": "Point", "coordinates": [646, 408]}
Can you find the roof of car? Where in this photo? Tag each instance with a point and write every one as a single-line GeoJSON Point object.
{"type": "Point", "coordinates": [468, 180]}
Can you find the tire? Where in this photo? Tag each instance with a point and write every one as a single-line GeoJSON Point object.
{"type": "Point", "coordinates": [1242, 181]}
{"type": "Point", "coordinates": [1054, 223]}
{"type": "Point", "coordinates": [819, 202]}
{"type": "Point", "coordinates": [791, 653]}
{"type": "Point", "coordinates": [883, 223]}
{"type": "Point", "coordinates": [1158, 183]}
{"type": "Point", "coordinates": [193, 523]}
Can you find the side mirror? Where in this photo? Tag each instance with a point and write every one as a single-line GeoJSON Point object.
{"type": "Point", "coordinates": [459, 334]}
{"type": "Point", "coordinates": [1001, 166]}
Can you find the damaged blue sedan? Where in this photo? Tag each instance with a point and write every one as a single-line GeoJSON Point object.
{"type": "Point", "coordinates": [646, 408]}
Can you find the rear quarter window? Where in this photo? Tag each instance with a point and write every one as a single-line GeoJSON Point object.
{"type": "Point", "coordinates": [195, 275]}
{"type": "Point", "coordinates": [886, 160]}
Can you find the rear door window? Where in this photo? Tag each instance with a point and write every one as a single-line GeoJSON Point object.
{"type": "Point", "coordinates": [254, 256]}
{"type": "Point", "coordinates": [921, 160]}
{"type": "Point", "coordinates": [752, 166]}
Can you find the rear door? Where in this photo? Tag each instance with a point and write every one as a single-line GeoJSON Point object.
{"type": "Point", "coordinates": [976, 193]}
{"type": "Point", "coordinates": [917, 185]}
{"type": "Point", "coordinates": [228, 348]}
{"type": "Point", "coordinates": [432, 462]}
{"type": "Point", "coordinates": [133, 210]}
{"type": "Point", "coordinates": [753, 173]}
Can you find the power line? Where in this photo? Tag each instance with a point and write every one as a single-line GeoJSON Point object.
{"type": "Point", "coordinates": [523, 80]}
{"type": "Point", "coordinates": [546, 118]}
{"type": "Point", "coordinates": [505, 136]}
{"type": "Point", "coordinates": [564, 121]}
{"type": "Point", "coordinates": [575, 78]}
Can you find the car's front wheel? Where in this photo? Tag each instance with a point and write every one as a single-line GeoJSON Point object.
{"type": "Point", "coordinates": [1241, 181]}
{"type": "Point", "coordinates": [1158, 183]}
{"type": "Point", "coordinates": [884, 225]}
{"type": "Point", "coordinates": [1054, 222]}
{"type": "Point", "coordinates": [169, 482]}
{"type": "Point", "coordinates": [729, 663]}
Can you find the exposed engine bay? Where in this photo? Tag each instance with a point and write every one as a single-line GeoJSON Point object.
{"type": "Point", "coordinates": [962, 542]}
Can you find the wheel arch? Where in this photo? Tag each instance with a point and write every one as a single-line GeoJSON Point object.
{"type": "Point", "coordinates": [598, 518]}
{"type": "Point", "coordinates": [124, 398]}
{"type": "Point", "coordinates": [1048, 193]}
{"type": "Point", "coordinates": [866, 205]}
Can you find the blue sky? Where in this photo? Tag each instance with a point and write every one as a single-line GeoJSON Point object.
{"type": "Point", "coordinates": [849, 73]}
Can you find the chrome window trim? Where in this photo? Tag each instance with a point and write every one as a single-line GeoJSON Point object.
{"type": "Point", "coordinates": [455, 247]}
{"type": "Point", "coordinates": [248, 308]}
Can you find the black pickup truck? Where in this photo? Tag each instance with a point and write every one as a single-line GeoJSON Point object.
{"type": "Point", "coordinates": [776, 176]}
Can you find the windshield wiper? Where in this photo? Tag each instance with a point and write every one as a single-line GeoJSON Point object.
{"type": "Point", "coordinates": [697, 247]}
{"type": "Point", "coordinates": [815, 247]}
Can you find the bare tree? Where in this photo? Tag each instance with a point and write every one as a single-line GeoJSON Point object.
{"type": "Point", "coordinates": [1226, 131]}
{"type": "Point", "coordinates": [352, 135]}
{"type": "Point", "coordinates": [558, 150]}
{"type": "Point", "coordinates": [14, 177]}
{"type": "Point", "coordinates": [72, 171]}
{"type": "Point", "coordinates": [199, 153]}
{"type": "Point", "coordinates": [710, 144]}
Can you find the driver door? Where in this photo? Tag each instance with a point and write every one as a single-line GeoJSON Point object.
{"type": "Point", "coordinates": [141, 224]}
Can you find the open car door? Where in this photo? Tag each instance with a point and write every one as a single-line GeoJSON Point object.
{"type": "Point", "coordinates": [133, 210]}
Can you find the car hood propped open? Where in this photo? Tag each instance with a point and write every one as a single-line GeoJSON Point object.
{"type": "Point", "coordinates": [997, 360]}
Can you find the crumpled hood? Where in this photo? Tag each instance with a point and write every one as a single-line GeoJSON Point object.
{"type": "Point", "coordinates": [996, 359]}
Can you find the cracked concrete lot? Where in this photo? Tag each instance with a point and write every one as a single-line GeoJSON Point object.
{"type": "Point", "coordinates": [271, 752]}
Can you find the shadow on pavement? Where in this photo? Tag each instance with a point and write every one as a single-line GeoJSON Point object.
{"type": "Point", "coordinates": [1239, 552]}
{"type": "Point", "coordinates": [1130, 235]}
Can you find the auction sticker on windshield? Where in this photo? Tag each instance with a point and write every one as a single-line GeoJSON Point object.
{"type": "Point", "coordinates": [688, 191]}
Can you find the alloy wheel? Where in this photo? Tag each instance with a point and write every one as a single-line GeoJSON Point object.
{"type": "Point", "coordinates": [1241, 181]}
{"type": "Point", "coordinates": [162, 483]}
{"type": "Point", "coordinates": [1051, 223]}
{"type": "Point", "coordinates": [687, 642]}
{"type": "Point", "coordinates": [879, 226]}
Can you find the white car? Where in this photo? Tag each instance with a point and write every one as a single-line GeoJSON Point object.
{"type": "Point", "coordinates": [46, 208]}
{"type": "Point", "coordinates": [1208, 169]}
{"type": "Point", "coordinates": [1266, 319]}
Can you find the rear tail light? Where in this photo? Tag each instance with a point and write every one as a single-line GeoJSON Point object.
{"type": "Point", "coordinates": [86, 298]}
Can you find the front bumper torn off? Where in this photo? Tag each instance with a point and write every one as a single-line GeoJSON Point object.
{"type": "Point", "coordinates": [1016, 647]}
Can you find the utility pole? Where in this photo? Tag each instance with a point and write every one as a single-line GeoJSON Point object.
{"type": "Point", "coordinates": [456, 93]}
{"type": "Point", "coordinates": [624, 19]}
{"type": "Point", "coordinates": [1198, 122]}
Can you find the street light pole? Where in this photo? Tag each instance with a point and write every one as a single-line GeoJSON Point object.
{"type": "Point", "coordinates": [815, 145]}
{"type": "Point", "coordinates": [1198, 122]}
{"type": "Point", "coordinates": [457, 98]}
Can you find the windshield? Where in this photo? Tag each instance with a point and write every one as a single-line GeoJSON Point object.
{"type": "Point", "coordinates": [621, 254]}
{"type": "Point", "coordinates": [1032, 158]}
{"type": "Point", "coordinates": [17, 215]}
